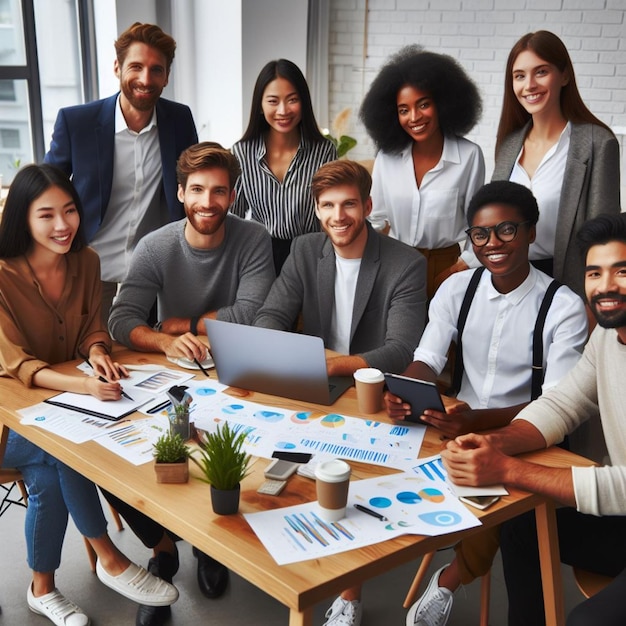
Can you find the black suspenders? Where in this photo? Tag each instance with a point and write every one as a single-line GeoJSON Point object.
{"type": "Point", "coordinates": [538, 373]}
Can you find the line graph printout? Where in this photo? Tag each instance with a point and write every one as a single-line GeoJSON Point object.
{"type": "Point", "coordinates": [270, 428]}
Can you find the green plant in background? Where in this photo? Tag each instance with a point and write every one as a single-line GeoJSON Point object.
{"type": "Point", "coordinates": [223, 462]}
{"type": "Point", "coordinates": [344, 143]}
{"type": "Point", "coordinates": [171, 448]}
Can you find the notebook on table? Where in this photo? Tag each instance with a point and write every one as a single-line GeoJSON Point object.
{"type": "Point", "coordinates": [290, 365]}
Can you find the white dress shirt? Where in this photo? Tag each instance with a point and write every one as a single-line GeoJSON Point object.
{"type": "Point", "coordinates": [135, 206]}
{"type": "Point", "coordinates": [432, 215]}
{"type": "Point", "coordinates": [546, 184]}
{"type": "Point", "coordinates": [497, 339]}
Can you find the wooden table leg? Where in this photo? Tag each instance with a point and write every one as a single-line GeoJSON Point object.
{"type": "Point", "coordinates": [301, 618]}
{"type": "Point", "coordinates": [548, 541]}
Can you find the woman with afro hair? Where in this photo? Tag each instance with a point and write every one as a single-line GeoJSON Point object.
{"type": "Point", "coordinates": [417, 111]}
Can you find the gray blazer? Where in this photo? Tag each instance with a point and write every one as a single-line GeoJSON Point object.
{"type": "Point", "coordinates": [389, 305]}
{"type": "Point", "coordinates": [590, 187]}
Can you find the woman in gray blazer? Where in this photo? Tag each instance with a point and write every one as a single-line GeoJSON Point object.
{"type": "Point", "coordinates": [549, 141]}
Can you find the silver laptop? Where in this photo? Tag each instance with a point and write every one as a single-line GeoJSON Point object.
{"type": "Point", "coordinates": [280, 363]}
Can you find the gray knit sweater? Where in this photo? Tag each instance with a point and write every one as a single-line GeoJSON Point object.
{"type": "Point", "coordinates": [233, 278]}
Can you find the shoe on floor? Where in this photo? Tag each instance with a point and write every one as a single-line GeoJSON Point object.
{"type": "Point", "coordinates": [344, 613]}
{"type": "Point", "coordinates": [433, 608]}
{"type": "Point", "coordinates": [163, 565]}
{"type": "Point", "coordinates": [136, 584]}
{"type": "Point", "coordinates": [57, 608]}
{"type": "Point", "coordinates": [212, 575]}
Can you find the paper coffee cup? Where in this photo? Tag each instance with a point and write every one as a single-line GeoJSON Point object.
{"type": "Point", "coordinates": [369, 383]}
{"type": "Point", "coordinates": [332, 479]}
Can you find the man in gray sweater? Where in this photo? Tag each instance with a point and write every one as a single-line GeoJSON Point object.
{"type": "Point", "coordinates": [211, 264]}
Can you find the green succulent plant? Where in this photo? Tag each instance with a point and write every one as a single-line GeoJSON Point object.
{"type": "Point", "coordinates": [171, 448]}
{"type": "Point", "coordinates": [223, 462]}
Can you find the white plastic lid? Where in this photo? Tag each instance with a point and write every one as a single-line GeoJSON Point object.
{"type": "Point", "coordinates": [334, 471]}
{"type": "Point", "coordinates": [369, 375]}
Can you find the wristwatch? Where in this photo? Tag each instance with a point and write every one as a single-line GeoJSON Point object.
{"type": "Point", "coordinates": [158, 326]}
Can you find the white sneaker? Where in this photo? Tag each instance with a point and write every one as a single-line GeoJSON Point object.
{"type": "Point", "coordinates": [135, 583]}
{"type": "Point", "coordinates": [433, 608]}
{"type": "Point", "coordinates": [344, 613]}
{"type": "Point", "coordinates": [57, 608]}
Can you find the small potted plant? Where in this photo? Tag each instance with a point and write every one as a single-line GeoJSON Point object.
{"type": "Point", "coordinates": [224, 465]}
{"type": "Point", "coordinates": [178, 413]}
{"type": "Point", "coordinates": [171, 459]}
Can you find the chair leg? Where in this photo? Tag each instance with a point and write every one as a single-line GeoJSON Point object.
{"type": "Point", "coordinates": [485, 593]}
{"type": "Point", "coordinates": [22, 488]}
{"type": "Point", "coordinates": [91, 555]}
{"type": "Point", "coordinates": [417, 581]}
{"type": "Point", "coordinates": [116, 518]}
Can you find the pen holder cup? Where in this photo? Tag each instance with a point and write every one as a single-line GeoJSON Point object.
{"type": "Point", "coordinates": [179, 421]}
{"type": "Point", "coordinates": [332, 479]}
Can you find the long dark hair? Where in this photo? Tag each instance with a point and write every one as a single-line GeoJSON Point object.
{"type": "Point", "coordinates": [29, 183]}
{"type": "Point", "coordinates": [551, 49]}
{"type": "Point", "coordinates": [455, 95]}
{"type": "Point", "coordinates": [282, 68]}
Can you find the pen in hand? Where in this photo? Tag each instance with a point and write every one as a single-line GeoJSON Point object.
{"type": "Point", "coordinates": [102, 379]}
{"type": "Point", "coordinates": [200, 366]}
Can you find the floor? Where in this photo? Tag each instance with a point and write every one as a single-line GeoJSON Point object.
{"type": "Point", "coordinates": [242, 604]}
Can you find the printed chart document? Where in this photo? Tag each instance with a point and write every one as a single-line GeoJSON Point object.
{"type": "Point", "coordinates": [410, 504]}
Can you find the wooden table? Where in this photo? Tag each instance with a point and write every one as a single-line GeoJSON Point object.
{"type": "Point", "coordinates": [186, 509]}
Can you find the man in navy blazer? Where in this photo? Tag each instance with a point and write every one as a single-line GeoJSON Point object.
{"type": "Point", "coordinates": [122, 157]}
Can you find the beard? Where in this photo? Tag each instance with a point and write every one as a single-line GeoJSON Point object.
{"type": "Point", "coordinates": [141, 104]}
{"type": "Point", "coordinates": [203, 228]}
{"type": "Point", "coordinates": [609, 319]}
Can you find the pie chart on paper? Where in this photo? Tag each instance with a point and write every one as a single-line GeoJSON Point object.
{"type": "Point", "coordinates": [333, 421]}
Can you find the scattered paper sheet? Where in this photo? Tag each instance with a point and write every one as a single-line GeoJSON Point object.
{"type": "Point", "coordinates": [412, 505]}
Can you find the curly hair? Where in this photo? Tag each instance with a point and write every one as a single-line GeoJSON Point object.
{"type": "Point", "coordinates": [455, 95]}
{"type": "Point", "coordinates": [282, 68]}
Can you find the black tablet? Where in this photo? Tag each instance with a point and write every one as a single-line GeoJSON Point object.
{"type": "Point", "coordinates": [420, 394]}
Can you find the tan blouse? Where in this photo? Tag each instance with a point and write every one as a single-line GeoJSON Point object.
{"type": "Point", "coordinates": [33, 332]}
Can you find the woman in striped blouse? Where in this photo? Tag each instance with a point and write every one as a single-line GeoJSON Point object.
{"type": "Point", "coordinates": [279, 153]}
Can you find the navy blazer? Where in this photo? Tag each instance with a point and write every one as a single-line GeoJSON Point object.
{"type": "Point", "coordinates": [83, 147]}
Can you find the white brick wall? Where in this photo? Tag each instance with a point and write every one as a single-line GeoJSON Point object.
{"type": "Point", "coordinates": [480, 34]}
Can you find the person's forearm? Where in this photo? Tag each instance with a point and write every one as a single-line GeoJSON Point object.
{"type": "Point", "coordinates": [421, 371]}
{"type": "Point", "coordinates": [182, 325]}
{"type": "Point", "coordinates": [50, 379]}
{"type": "Point", "coordinates": [519, 436]}
{"type": "Point", "coordinates": [145, 339]}
{"type": "Point", "coordinates": [554, 482]}
{"type": "Point", "coordinates": [344, 365]}
{"type": "Point", "coordinates": [487, 419]}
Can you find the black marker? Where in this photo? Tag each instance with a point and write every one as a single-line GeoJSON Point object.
{"type": "Point", "coordinates": [364, 509]}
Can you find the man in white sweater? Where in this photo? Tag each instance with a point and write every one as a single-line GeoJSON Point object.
{"type": "Point", "coordinates": [592, 524]}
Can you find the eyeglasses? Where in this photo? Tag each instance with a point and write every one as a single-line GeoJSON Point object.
{"type": "Point", "coordinates": [505, 232]}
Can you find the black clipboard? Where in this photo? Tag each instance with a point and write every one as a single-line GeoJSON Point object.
{"type": "Point", "coordinates": [113, 416]}
{"type": "Point", "coordinates": [420, 394]}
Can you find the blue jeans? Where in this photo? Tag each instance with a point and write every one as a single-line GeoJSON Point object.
{"type": "Point", "coordinates": [53, 490]}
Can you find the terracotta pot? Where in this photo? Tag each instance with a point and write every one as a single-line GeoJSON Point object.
{"type": "Point", "coordinates": [172, 472]}
{"type": "Point", "coordinates": [225, 501]}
